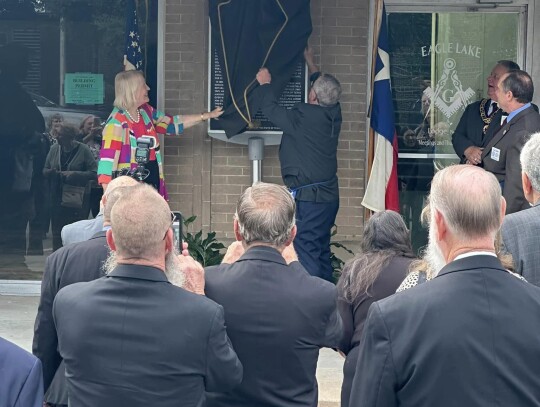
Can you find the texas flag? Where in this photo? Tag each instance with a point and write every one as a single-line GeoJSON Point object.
{"type": "Point", "coordinates": [382, 188]}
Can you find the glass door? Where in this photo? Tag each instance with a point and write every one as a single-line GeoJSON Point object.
{"type": "Point", "coordinates": [439, 62]}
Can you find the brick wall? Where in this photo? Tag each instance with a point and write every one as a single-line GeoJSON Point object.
{"type": "Point", "coordinates": [206, 176]}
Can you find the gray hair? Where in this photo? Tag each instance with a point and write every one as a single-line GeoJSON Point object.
{"type": "Point", "coordinates": [385, 236]}
{"type": "Point", "coordinates": [53, 117]}
{"type": "Point", "coordinates": [265, 214]}
{"type": "Point", "coordinates": [139, 222]}
{"type": "Point", "coordinates": [328, 90]}
{"type": "Point", "coordinates": [111, 195]}
{"type": "Point", "coordinates": [520, 84]}
{"type": "Point", "coordinates": [125, 88]}
{"type": "Point", "coordinates": [112, 198]}
{"type": "Point", "coordinates": [530, 160]}
{"type": "Point", "coordinates": [469, 198]}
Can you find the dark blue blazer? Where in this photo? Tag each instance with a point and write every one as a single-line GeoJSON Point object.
{"type": "Point", "coordinates": [21, 381]}
{"type": "Point", "coordinates": [278, 317]}
{"type": "Point", "coordinates": [469, 337]}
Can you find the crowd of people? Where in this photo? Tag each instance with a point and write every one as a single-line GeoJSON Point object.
{"type": "Point", "coordinates": [128, 318]}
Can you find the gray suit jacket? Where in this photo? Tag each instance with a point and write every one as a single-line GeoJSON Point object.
{"type": "Point", "coordinates": [508, 142]}
{"type": "Point", "coordinates": [133, 339]}
{"type": "Point", "coordinates": [520, 234]}
{"type": "Point", "coordinates": [82, 230]}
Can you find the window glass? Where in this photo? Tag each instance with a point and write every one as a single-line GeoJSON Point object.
{"type": "Point", "coordinates": [439, 64]}
{"type": "Point", "coordinates": [57, 66]}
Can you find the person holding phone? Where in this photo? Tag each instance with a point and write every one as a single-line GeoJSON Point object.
{"type": "Point", "coordinates": [132, 118]}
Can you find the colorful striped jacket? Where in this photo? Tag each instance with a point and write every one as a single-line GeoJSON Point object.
{"type": "Point", "coordinates": [119, 143]}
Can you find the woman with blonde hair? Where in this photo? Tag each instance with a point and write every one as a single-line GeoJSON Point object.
{"type": "Point", "coordinates": [132, 118]}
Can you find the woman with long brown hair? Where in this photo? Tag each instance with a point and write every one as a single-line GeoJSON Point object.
{"type": "Point", "coordinates": [375, 273]}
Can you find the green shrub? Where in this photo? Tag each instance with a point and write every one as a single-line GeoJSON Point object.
{"type": "Point", "coordinates": [206, 251]}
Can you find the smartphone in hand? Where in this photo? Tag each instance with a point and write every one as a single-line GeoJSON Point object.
{"type": "Point", "coordinates": [177, 229]}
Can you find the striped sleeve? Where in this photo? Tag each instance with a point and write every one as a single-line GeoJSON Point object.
{"type": "Point", "coordinates": [165, 124]}
{"type": "Point", "coordinates": [111, 147]}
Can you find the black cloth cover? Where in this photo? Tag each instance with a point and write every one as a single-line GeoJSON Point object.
{"type": "Point", "coordinates": [249, 27]}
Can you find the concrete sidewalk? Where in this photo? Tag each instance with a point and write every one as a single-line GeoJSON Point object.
{"type": "Point", "coordinates": [17, 315]}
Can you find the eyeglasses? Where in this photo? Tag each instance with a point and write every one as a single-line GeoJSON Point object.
{"type": "Point", "coordinates": [170, 226]}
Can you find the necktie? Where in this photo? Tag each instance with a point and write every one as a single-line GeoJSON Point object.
{"type": "Point", "coordinates": [492, 108]}
{"type": "Point", "coordinates": [504, 122]}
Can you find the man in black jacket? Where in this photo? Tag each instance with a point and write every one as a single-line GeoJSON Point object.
{"type": "Point", "coordinates": [308, 157]}
{"type": "Point", "coordinates": [277, 315]}
{"type": "Point", "coordinates": [481, 119]}
{"type": "Point", "coordinates": [70, 264]}
{"type": "Point", "coordinates": [132, 338]}
{"type": "Point", "coordinates": [468, 337]}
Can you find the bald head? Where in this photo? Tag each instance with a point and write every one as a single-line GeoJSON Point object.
{"type": "Point", "coordinates": [140, 220]}
{"type": "Point", "coordinates": [469, 198]}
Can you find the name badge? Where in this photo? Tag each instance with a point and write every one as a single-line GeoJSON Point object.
{"type": "Point", "coordinates": [495, 154]}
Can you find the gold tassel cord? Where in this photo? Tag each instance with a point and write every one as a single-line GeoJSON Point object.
{"type": "Point", "coordinates": [267, 55]}
{"type": "Point", "coordinates": [226, 63]}
{"type": "Point", "coordinates": [247, 119]}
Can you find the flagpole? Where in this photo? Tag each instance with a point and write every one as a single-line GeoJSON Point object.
{"type": "Point", "coordinates": [378, 10]}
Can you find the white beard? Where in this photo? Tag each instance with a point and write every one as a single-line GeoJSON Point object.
{"type": "Point", "coordinates": [433, 254]}
{"type": "Point", "coordinates": [173, 269]}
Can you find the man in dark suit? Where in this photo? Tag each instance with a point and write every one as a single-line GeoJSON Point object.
{"type": "Point", "coordinates": [277, 315]}
{"type": "Point", "coordinates": [132, 338]}
{"type": "Point", "coordinates": [468, 337]}
{"type": "Point", "coordinates": [520, 230]}
{"type": "Point", "coordinates": [501, 155]}
{"type": "Point", "coordinates": [73, 263]}
{"type": "Point", "coordinates": [21, 381]}
{"type": "Point", "coordinates": [308, 158]}
{"type": "Point", "coordinates": [481, 119]}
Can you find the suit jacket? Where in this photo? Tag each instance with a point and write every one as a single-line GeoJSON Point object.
{"type": "Point", "coordinates": [469, 337]}
{"type": "Point", "coordinates": [70, 264]}
{"type": "Point", "coordinates": [277, 316]}
{"type": "Point", "coordinates": [21, 381]}
{"type": "Point", "coordinates": [508, 142]}
{"type": "Point", "coordinates": [133, 339]}
{"type": "Point", "coordinates": [520, 238]}
{"type": "Point", "coordinates": [469, 129]}
{"type": "Point", "coordinates": [82, 230]}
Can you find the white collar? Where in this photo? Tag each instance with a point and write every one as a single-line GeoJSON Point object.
{"type": "Point", "coordinates": [475, 253]}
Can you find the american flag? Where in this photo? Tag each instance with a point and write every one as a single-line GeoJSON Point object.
{"type": "Point", "coordinates": [382, 188]}
{"type": "Point", "coordinates": [133, 57]}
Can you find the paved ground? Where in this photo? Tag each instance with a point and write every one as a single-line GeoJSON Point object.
{"type": "Point", "coordinates": [17, 316]}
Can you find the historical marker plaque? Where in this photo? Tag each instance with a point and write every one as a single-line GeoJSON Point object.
{"type": "Point", "coordinates": [294, 92]}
